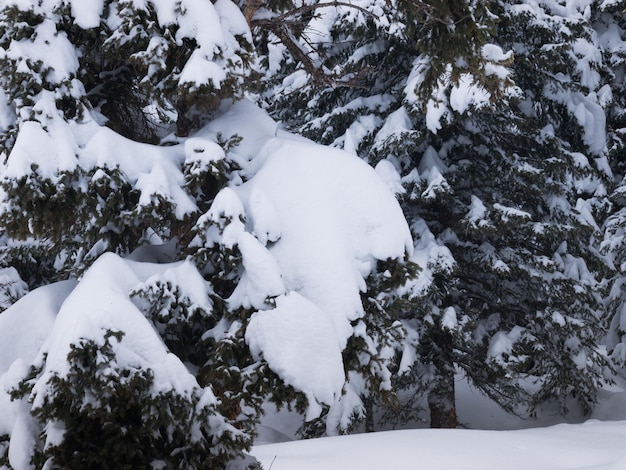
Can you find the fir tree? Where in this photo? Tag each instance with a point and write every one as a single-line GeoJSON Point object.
{"type": "Point", "coordinates": [89, 89]}
{"type": "Point", "coordinates": [610, 26]}
{"type": "Point", "coordinates": [139, 69]}
{"type": "Point", "coordinates": [503, 164]}
{"type": "Point", "coordinates": [114, 416]}
{"type": "Point", "coordinates": [91, 167]}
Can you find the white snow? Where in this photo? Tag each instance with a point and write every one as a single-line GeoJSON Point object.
{"type": "Point", "coordinates": [87, 14]}
{"type": "Point", "coordinates": [467, 93]}
{"type": "Point", "coordinates": [49, 47]}
{"type": "Point", "coordinates": [449, 319]}
{"type": "Point", "coordinates": [30, 319]}
{"type": "Point", "coordinates": [431, 255]}
{"type": "Point", "coordinates": [24, 329]}
{"type": "Point", "coordinates": [592, 445]}
{"type": "Point", "coordinates": [261, 278]}
{"type": "Point", "coordinates": [511, 212]}
{"type": "Point", "coordinates": [477, 213]}
{"type": "Point", "coordinates": [494, 53]}
{"type": "Point", "coordinates": [12, 287]}
{"type": "Point", "coordinates": [102, 301]}
{"type": "Point", "coordinates": [489, 438]}
{"type": "Point", "coordinates": [310, 223]}
{"type": "Point", "coordinates": [199, 71]}
{"type": "Point", "coordinates": [57, 145]}
{"type": "Point", "coordinates": [390, 175]}
{"type": "Point", "coordinates": [298, 341]}
{"type": "Point", "coordinates": [591, 118]}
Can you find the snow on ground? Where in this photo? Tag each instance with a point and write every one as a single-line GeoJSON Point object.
{"type": "Point", "coordinates": [489, 438]}
{"type": "Point", "coordinates": [593, 445]}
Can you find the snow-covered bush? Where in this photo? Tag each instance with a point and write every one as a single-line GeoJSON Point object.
{"type": "Point", "coordinates": [101, 388]}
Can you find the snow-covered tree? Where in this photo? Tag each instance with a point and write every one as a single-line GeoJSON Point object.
{"type": "Point", "coordinates": [277, 271]}
{"type": "Point", "coordinates": [88, 88]}
{"type": "Point", "coordinates": [309, 244]}
{"type": "Point", "coordinates": [610, 28]}
{"type": "Point", "coordinates": [100, 388]}
{"type": "Point", "coordinates": [501, 147]}
{"type": "Point", "coordinates": [141, 69]}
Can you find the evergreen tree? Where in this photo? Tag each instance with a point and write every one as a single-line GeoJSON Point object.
{"type": "Point", "coordinates": [610, 26]}
{"type": "Point", "coordinates": [500, 141]}
{"type": "Point", "coordinates": [68, 67]}
{"type": "Point", "coordinates": [89, 89]}
{"type": "Point", "coordinates": [91, 166]}
{"type": "Point", "coordinates": [260, 251]}
{"type": "Point", "coordinates": [114, 416]}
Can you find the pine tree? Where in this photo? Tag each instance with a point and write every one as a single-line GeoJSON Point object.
{"type": "Point", "coordinates": [91, 166]}
{"type": "Point", "coordinates": [504, 165]}
{"type": "Point", "coordinates": [89, 90]}
{"type": "Point", "coordinates": [139, 69]}
{"type": "Point", "coordinates": [109, 413]}
{"type": "Point", "coordinates": [105, 391]}
{"type": "Point", "coordinates": [246, 241]}
{"type": "Point", "coordinates": [610, 27]}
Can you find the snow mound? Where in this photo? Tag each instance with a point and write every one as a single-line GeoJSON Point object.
{"type": "Point", "coordinates": [100, 302]}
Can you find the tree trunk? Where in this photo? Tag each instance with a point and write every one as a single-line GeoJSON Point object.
{"type": "Point", "coordinates": [369, 415]}
{"type": "Point", "coordinates": [441, 398]}
{"type": "Point", "coordinates": [441, 402]}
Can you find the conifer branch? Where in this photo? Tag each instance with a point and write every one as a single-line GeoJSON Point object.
{"type": "Point", "coordinates": [252, 7]}
{"type": "Point", "coordinates": [428, 11]}
{"type": "Point", "coordinates": [282, 27]}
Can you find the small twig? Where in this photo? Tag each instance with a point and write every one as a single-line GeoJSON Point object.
{"type": "Point", "coordinates": [282, 27]}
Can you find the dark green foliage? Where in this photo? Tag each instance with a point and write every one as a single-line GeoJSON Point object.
{"type": "Point", "coordinates": [94, 211]}
{"type": "Point", "coordinates": [204, 181]}
{"type": "Point", "coordinates": [114, 417]}
{"type": "Point", "coordinates": [126, 75]}
{"type": "Point", "coordinates": [180, 324]}
{"type": "Point", "coordinates": [522, 259]}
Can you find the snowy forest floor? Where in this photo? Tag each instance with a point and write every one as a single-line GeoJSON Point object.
{"type": "Point", "coordinates": [489, 439]}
